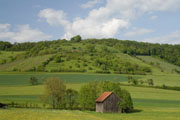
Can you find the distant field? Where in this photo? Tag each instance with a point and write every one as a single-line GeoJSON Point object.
{"type": "Point", "coordinates": [14, 78]}
{"type": "Point", "coordinates": [23, 79]}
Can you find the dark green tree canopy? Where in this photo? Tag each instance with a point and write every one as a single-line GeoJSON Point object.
{"type": "Point", "coordinates": [76, 38]}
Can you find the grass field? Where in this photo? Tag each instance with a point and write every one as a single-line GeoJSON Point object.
{"type": "Point", "coordinates": [41, 114]}
{"type": "Point", "coordinates": [150, 103]}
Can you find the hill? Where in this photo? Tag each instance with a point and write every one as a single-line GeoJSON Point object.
{"type": "Point", "coordinates": [91, 56]}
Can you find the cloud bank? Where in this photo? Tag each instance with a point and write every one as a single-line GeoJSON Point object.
{"type": "Point", "coordinates": [108, 20]}
{"type": "Point", "coordinates": [22, 33]}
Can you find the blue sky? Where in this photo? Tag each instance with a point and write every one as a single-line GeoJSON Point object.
{"type": "Point", "coordinates": [155, 21]}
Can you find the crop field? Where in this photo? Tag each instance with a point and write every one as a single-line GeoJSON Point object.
{"type": "Point", "coordinates": [23, 79]}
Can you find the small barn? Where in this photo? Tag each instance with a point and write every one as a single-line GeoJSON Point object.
{"type": "Point", "coordinates": [107, 102]}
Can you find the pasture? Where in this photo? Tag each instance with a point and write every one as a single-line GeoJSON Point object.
{"type": "Point", "coordinates": [149, 113]}
{"type": "Point", "coordinates": [149, 103]}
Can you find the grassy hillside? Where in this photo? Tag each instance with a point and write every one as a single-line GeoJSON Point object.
{"type": "Point", "coordinates": [6, 57]}
{"type": "Point", "coordinates": [24, 64]}
{"type": "Point", "coordinates": [89, 56]}
{"type": "Point", "coordinates": [159, 63]}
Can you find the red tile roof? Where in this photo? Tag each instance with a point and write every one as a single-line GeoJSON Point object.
{"type": "Point", "coordinates": [103, 96]}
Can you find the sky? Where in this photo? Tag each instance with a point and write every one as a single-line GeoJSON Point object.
{"type": "Point", "coordinates": [154, 21]}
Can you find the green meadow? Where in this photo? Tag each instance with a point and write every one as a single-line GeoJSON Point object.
{"type": "Point", "coordinates": [149, 103]}
{"type": "Point", "coordinates": [148, 113]}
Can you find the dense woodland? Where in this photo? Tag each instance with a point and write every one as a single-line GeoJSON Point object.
{"type": "Point", "coordinates": [100, 53]}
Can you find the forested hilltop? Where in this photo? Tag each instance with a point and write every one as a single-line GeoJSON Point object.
{"type": "Point", "coordinates": [92, 55]}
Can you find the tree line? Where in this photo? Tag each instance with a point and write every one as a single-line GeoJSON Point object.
{"type": "Point", "coordinates": [167, 52]}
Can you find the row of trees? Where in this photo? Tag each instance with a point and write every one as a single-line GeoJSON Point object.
{"type": "Point", "coordinates": [61, 98]}
{"type": "Point", "coordinates": [135, 81]}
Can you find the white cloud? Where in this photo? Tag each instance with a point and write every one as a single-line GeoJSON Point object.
{"type": "Point", "coordinates": [89, 28]}
{"type": "Point", "coordinates": [23, 33]}
{"type": "Point", "coordinates": [54, 17]}
{"type": "Point", "coordinates": [91, 3]}
{"type": "Point", "coordinates": [154, 17]}
{"type": "Point", "coordinates": [172, 38]}
{"type": "Point", "coordinates": [4, 27]}
{"type": "Point", "coordinates": [130, 9]}
{"type": "Point", "coordinates": [107, 20]}
{"type": "Point", "coordinates": [138, 31]}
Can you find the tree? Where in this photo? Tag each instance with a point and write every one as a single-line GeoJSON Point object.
{"type": "Point", "coordinates": [87, 96]}
{"type": "Point", "coordinates": [150, 82]}
{"type": "Point", "coordinates": [135, 82]}
{"type": "Point", "coordinates": [76, 38]}
{"type": "Point", "coordinates": [71, 99]}
{"type": "Point", "coordinates": [126, 104]}
{"type": "Point", "coordinates": [132, 80]}
{"type": "Point", "coordinates": [33, 80]}
{"type": "Point", "coordinates": [55, 90]}
{"type": "Point", "coordinates": [58, 59]}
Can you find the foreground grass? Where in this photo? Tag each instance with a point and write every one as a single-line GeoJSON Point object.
{"type": "Point", "coordinates": [44, 114]}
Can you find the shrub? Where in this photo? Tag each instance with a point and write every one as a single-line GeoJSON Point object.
{"type": "Point", "coordinates": [33, 80]}
{"type": "Point", "coordinates": [150, 82]}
